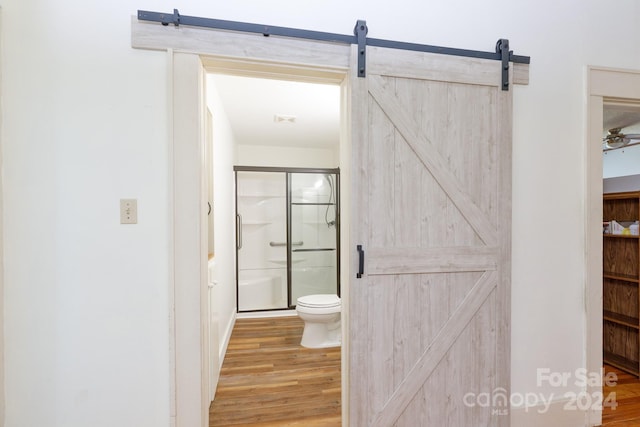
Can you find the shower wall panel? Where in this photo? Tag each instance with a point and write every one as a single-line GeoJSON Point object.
{"type": "Point", "coordinates": [262, 236]}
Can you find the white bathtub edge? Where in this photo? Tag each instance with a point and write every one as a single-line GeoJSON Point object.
{"type": "Point", "coordinates": [271, 313]}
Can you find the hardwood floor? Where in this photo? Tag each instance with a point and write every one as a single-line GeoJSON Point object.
{"type": "Point", "coordinates": [269, 380]}
{"type": "Point", "coordinates": [627, 389]}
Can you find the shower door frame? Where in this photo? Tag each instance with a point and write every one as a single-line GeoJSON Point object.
{"type": "Point", "coordinates": [288, 171]}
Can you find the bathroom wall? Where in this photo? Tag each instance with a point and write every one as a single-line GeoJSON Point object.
{"type": "Point", "coordinates": [224, 217]}
{"type": "Point", "coordinates": [256, 155]}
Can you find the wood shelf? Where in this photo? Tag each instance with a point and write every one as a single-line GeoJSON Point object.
{"type": "Point", "coordinates": [620, 236]}
{"type": "Point", "coordinates": [621, 319]}
{"type": "Point", "coordinates": [623, 277]}
{"type": "Point", "coordinates": [620, 285]}
{"type": "Point", "coordinates": [627, 365]}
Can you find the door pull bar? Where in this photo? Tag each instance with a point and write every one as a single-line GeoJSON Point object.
{"type": "Point", "coordinates": [360, 261]}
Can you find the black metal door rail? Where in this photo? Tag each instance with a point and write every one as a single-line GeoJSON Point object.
{"type": "Point", "coordinates": [359, 37]}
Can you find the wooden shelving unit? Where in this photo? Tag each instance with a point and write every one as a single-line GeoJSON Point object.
{"type": "Point", "coordinates": [621, 279]}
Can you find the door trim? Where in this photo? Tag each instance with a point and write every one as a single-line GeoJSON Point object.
{"type": "Point", "coordinates": [603, 84]}
{"type": "Point", "coordinates": [189, 404]}
{"type": "Point", "coordinates": [188, 357]}
{"type": "Point", "coordinates": [188, 261]}
{"type": "Point", "coordinates": [501, 53]}
{"type": "Point", "coordinates": [2, 339]}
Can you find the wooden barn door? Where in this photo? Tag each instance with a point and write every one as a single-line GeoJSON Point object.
{"type": "Point", "coordinates": [431, 192]}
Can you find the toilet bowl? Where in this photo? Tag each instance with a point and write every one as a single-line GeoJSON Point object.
{"type": "Point", "coordinates": [321, 316]}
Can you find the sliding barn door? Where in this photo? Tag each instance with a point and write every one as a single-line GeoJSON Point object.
{"type": "Point", "coordinates": [431, 191]}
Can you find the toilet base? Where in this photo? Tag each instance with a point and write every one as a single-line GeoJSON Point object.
{"type": "Point", "coordinates": [321, 335]}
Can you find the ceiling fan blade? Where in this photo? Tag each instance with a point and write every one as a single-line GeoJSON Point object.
{"type": "Point", "coordinates": [616, 142]}
{"type": "Point", "coordinates": [632, 136]}
{"type": "Point", "coordinates": [606, 148]}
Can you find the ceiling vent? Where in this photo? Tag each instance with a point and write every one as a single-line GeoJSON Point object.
{"type": "Point", "coordinates": [283, 118]}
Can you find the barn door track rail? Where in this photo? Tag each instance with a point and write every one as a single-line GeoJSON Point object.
{"type": "Point", "coordinates": [359, 37]}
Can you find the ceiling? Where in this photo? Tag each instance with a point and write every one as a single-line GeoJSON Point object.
{"type": "Point", "coordinates": [295, 114]}
{"type": "Point", "coordinates": [621, 115]}
{"type": "Point", "coordinates": [280, 113]}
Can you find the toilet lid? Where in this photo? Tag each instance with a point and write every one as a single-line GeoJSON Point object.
{"type": "Point", "coordinates": [323, 300]}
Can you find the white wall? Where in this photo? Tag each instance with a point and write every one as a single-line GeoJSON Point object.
{"type": "Point", "coordinates": [84, 124]}
{"type": "Point", "coordinates": [621, 183]}
{"type": "Point", "coordinates": [224, 215]}
{"type": "Point", "coordinates": [256, 155]}
{"type": "Point", "coordinates": [2, 417]}
{"type": "Point", "coordinates": [622, 162]}
{"type": "Point", "coordinates": [86, 299]}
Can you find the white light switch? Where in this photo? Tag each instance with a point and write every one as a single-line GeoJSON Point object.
{"type": "Point", "coordinates": [128, 211]}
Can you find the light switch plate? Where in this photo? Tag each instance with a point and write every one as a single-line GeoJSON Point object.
{"type": "Point", "coordinates": [128, 211]}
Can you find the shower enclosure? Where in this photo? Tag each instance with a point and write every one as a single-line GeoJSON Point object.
{"type": "Point", "coordinates": [287, 235]}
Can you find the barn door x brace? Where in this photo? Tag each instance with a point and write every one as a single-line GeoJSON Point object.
{"type": "Point", "coordinates": [359, 37]}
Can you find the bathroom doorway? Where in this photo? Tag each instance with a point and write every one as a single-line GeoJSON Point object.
{"type": "Point", "coordinates": [270, 133]}
{"type": "Point", "coordinates": [287, 236]}
{"type": "Point", "coordinates": [277, 199]}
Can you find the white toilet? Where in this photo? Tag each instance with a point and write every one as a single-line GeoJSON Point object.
{"type": "Point", "coordinates": [321, 316]}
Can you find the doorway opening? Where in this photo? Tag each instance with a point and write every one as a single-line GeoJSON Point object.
{"type": "Point", "coordinates": [276, 141]}
{"type": "Point", "coordinates": [621, 260]}
{"type": "Point", "coordinates": [610, 93]}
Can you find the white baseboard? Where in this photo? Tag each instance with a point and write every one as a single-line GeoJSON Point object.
{"type": "Point", "coordinates": [226, 338]}
{"type": "Point", "coordinates": [555, 416]}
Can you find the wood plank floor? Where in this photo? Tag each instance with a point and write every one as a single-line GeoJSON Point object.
{"type": "Point", "coordinates": [627, 413]}
{"type": "Point", "coordinates": [269, 380]}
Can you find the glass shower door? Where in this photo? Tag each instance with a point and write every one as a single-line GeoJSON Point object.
{"type": "Point", "coordinates": [261, 235]}
{"type": "Point", "coordinates": [314, 233]}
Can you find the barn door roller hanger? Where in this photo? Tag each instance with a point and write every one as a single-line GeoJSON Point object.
{"type": "Point", "coordinates": [359, 37]}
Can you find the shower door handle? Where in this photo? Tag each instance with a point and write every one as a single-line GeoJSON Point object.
{"type": "Point", "coordinates": [274, 244]}
{"type": "Point", "coordinates": [239, 231]}
{"type": "Point", "coordinates": [360, 261]}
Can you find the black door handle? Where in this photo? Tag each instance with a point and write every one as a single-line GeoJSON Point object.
{"type": "Point", "coordinates": [360, 261]}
